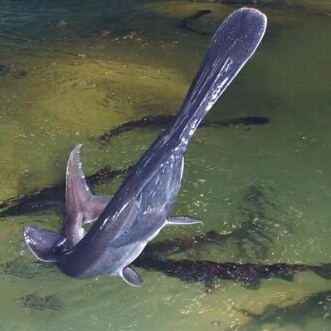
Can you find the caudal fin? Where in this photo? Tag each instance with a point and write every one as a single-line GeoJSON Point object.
{"type": "Point", "coordinates": [42, 243]}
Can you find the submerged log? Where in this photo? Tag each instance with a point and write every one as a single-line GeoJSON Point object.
{"type": "Point", "coordinates": [162, 121]}
{"type": "Point", "coordinates": [186, 22]}
{"type": "Point", "coordinates": [210, 273]}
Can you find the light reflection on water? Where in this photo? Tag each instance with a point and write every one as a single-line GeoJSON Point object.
{"type": "Point", "coordinates": [91, 67]}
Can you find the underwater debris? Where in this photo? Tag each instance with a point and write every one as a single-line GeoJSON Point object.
{"type": "Point", "coordinates": [22, 268]}
{"type": "Point", "coordinates": [6, 71]}
{"type": "Point", "coordinates": [254, 212]}
{"type": "Point", "coordinates": [42, 303]}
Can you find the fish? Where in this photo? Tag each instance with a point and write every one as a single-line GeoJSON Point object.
{"type": "Point", "coordinates": [140, 208]}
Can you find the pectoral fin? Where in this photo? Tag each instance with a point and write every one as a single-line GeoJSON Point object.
{"type": "Point", "coordinates": [131, 277]}
{"type": "Point", "coordinates": [42, 243]}
{"type": "Point", "coordinates": [182, 220]}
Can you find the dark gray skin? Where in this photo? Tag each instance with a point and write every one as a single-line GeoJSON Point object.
{"type": "Point", "coordinates": [140, 207]}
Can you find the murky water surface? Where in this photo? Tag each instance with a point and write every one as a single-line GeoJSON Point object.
{"type": "Point", "coordinates": [71, 71]}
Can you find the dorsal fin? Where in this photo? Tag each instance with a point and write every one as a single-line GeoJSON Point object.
{"type": "Point", "coordinates": [81, 205]}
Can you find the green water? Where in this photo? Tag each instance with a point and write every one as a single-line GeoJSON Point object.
{"type": "Point", "coordinates": [90, 66]}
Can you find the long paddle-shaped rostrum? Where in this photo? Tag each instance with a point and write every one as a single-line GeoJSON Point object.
{"type": "Point", "coordinates": [141, 206]}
